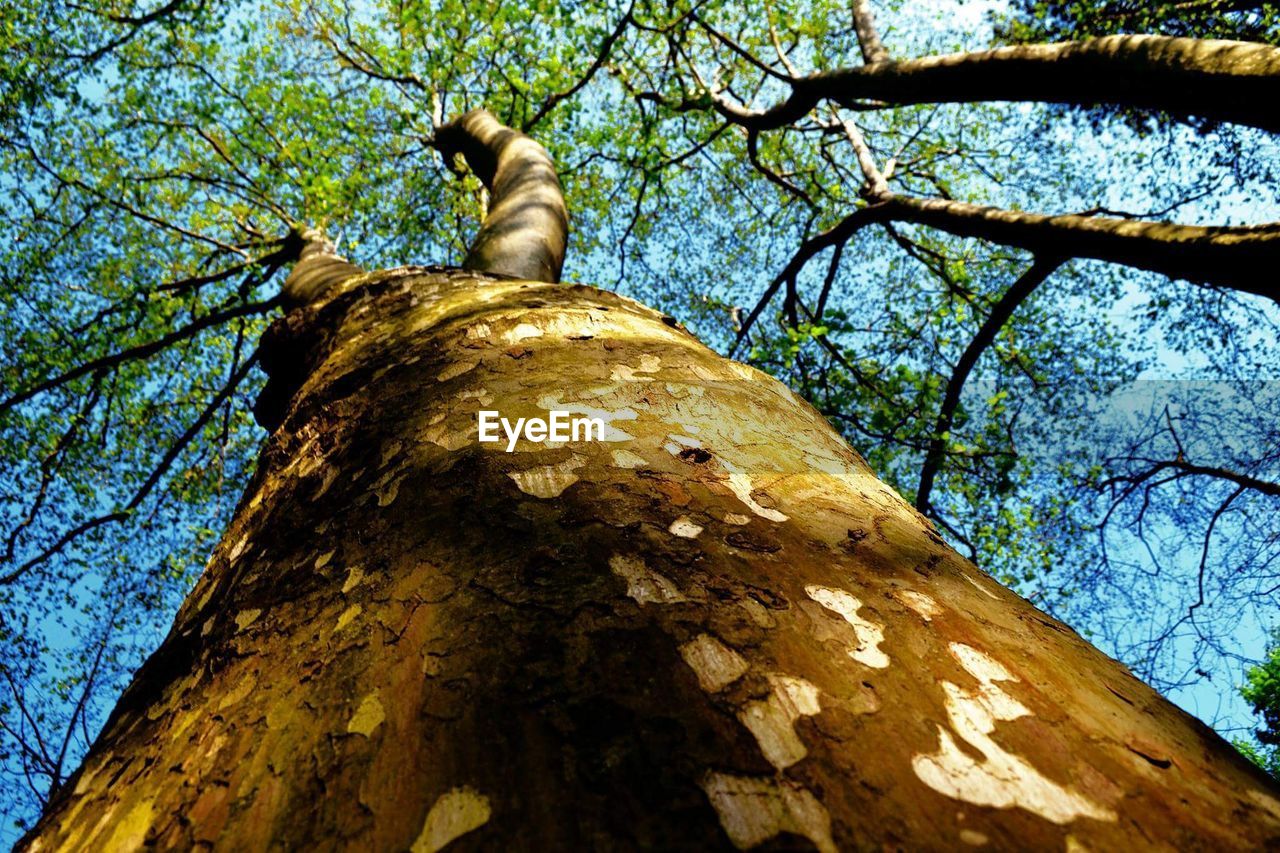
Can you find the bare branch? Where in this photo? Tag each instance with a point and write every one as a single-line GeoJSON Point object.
{"type": "Point", "coordinates": [1000, 314]}
{"type": "Point", "coordinates": [1225, 256]}
{"type": "Point", "coordinates": [1187, 469]}
{"type": "Point", "coordinates": [157, 473]}
{"type": "Point", "coordinates": [602, 56]}
{"type": "Point", "coordinates": [837, 235]}
{"type": "Point", "coordinates": [141, 350]}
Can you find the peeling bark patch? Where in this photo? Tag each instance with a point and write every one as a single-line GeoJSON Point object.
{"type": "Point", "coordinates": [772, 722]}
{"type": "Point", "coordinates": [245, 618]}
{"type": "Point", "coordinates": [693, 455]}
{"type": "Point", "coordinates": [452, 816]}
{"type": "Point", "coordinates": [1002, 780]}
{"type": "Point", "coordinates": [643, 584]}
{"type": "Point", "coordinates": [868, 634]}
{"type": "Point", "coordinates": [551, 402]}
{"type": "Point", "coordinates": [753, 810]}
{"type": "Point", "coordinates": [389, 452]}
{"type": "Point", "coordinates": [457, 369]}
{"type": "Point", "coordinates": [131, 831]}
{"type": "Point", "coordinates": [917, 602]}
{"type": "Point", "coordinates": [626, 459]}
{"type": "Point", "coordinates": [441, 435]}
{"type": "Point", "coordinates": [355, 574]}
{"type": "Point", "coordinates": [522, 331]}
{"type": "Point", "coordinates": [238, 693]}
{"type": "Point", "coordinates": [716, 665]}
{"type": "Point", "coordinates": [347, 615]}
{"type": "Point", "coordinates": [368, 716]}
{"type": "Point", "coordinates": [758, 613]}
{"type": "Point", "coordinates": [548, 481]}
{"type": "Point", "coordinates": [740, 484]}
{"type": "Point", "coordinates": [238, 549]}
{"type": "Point", "coordinates": [744, 540]}
{"type": "Point", "coordinates": [982, 589]}
{"type": "Point", "coordinates": [1149, 752]}
{"type": "Point", "coordinates": [627, 373]}
{"type": "Point", "coordinates": [388, 495]}
{"type": "Point", "coordinates": [685, 528]}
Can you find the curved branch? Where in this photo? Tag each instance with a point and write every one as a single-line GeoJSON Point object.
{"type": "Point", "coordinates": [1187, 469]}
{"type": "Point", "coordinates": [1223, 80]}
{"type": "Point", "coordinates": [527, 227]}
{"type": "Point", "coordinates": [602, 56]}
{"type": "Point", "coordinates": [1000, 314]}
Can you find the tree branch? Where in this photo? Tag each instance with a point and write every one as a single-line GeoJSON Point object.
{"type": "Point", "coordinates": [141, 350]}
{"type": "Point", "coordinates": [188, 435]}
{"type": "Point", "coordinates": [837, 235]}
{"type": "Point", "coordinates": [1226, 256]}
{"type": "Point", "coordinates": [1223, 80]}
{"type": "Point", "coordinates": [319, 269]}
{"type": "Point", "coordinates": [602, 56]}
{"type": "Point", "coordinates": [527, 226]}
{"type": "Point", "coordinates": [986, 335]}
{"type": "Point", "coordinates": [864, 23]}
{"type": "Point", "coordinates": [1185, 469]}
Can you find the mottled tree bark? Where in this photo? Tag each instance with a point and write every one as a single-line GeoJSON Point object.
{"type": "Point", "coordinates": [713, 628]}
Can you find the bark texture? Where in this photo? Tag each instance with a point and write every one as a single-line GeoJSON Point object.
{"type": "Point", "coordinates": [864, 24]}
{"type": "Point", "coordinates": [715, 628]}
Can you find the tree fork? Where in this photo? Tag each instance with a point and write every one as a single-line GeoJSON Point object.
{"type": "Point", "coordinates": [714, 628]}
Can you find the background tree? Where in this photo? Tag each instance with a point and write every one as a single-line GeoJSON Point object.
{"type": "Point", "coordinates": [154, 191]}
{"type": "Point", "coordinates": [1262, 690]}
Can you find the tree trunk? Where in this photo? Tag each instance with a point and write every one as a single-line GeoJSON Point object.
{"type": "Point", "coordinates": [713, 628]}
